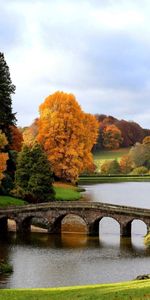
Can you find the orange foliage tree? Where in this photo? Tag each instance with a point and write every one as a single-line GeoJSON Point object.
{"type": "Point", "coordinates": [67, 134]}
{"type": "Point", "coordinates": [126, 164]}
{"type": "Point", "coordinates": [3, 156]}
{"type": "Point", "coordinates": [146, 140]}
{"type": "Point", "coordinates": [111, 137]}
{"type": "Point", "coordinates": [17, 139]}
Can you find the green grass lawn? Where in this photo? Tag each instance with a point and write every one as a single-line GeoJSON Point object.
{"type": "Point", "coordinates": [103, 155]}
{"type": "Point", "coordinates": [132, 290]}
{"type": "Point", "coordinates": [67, 193]}
{"type": "Point", "coordinates": [8, 201]}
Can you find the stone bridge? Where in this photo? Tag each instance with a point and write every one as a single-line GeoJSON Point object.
{"type": "Point", "coordinates": [53, 213]}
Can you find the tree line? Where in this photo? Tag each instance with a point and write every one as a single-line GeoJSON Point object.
{"type": "Point", "coordinates": [114, 133]}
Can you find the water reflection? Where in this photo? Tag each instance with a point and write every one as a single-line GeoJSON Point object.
{"type": "Point", "coordinates": [74, 240]}
{"type": "Point", "coordinates": [60, 260]}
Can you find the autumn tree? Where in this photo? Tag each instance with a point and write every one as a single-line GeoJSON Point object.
{"type": "Point", "coordinates": [111, 137]}
{"type": "Point", "coordinates": [67, 134]}
{"type": "Point", "coordinates": [146, 140]}
{"type": "Point", "coordinates": [126, 164]}
{"type": "Point", "coordinates": [17, 138]}
{"type": "Point", "coordinates": [7, 117]}
{"type": "Point", "coordinates": [33, 178]}
{"type": "Point", "coordinates": [30, 133]}
{"type": "Point", "coordinates": [131, 132]}
{"type": "Point", "coordinates": [3, 156]}
{"type": "Point", "coordinates": [110, 167]}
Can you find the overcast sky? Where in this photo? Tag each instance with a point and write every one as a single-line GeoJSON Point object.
{"type": "Point", "coordinates": [99, 50]}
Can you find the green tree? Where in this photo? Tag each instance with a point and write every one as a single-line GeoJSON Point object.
{"type": "Point", "coordinates": [110, 167]}
{"type": "Point", "coordinates": [140, 154]}
{"type": "Point", "coordinates": [7, 117]}
{"type": "Point", "coordinates": [33, 178]}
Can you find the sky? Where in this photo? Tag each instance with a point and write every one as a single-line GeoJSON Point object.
{"type": "Point", "coordinates": [99, 50]}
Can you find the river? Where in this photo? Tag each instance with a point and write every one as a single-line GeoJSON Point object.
{"type": "Point", "coordinates": [42, 260]}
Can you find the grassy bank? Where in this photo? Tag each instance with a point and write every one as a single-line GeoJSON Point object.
{"type": "Point", "coordinates": [112, 179]}
{"type": "Point", "coordinates": [8, 201]}
{"type": "Point", "coordinates": [63, 192]}
{"type": "Point", "coordinates": [66, 192]}
{"type": "Point", "coordinates": [122, 291]}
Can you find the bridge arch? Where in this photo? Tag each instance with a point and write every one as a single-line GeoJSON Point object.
{"type": "Point", "coordinates": [7, 223]}
{"type": "Point", "coordinates": [136, 225]}
{"type": "Point", "coordinates": [59, 224]}
{"type": "Point", "coordinates": [95, 226]}
{"type": "Point", "coordinates": [24, 225]}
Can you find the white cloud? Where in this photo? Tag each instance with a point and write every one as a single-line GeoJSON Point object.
{"type": "Point", "coordinates": [98, 50]}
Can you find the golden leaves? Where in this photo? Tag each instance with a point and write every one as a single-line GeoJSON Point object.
{"type": "Point", "coordinates": [67, 135]}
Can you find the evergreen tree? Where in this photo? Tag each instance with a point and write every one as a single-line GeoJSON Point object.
{"type": "Point", "coordinates": [24, 165]}
{"type": "Point", "coordinates": [33, 178]}
{"type": "Point", "coordinates": [7, 118]}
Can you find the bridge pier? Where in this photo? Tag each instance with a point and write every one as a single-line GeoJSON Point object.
{"type": "Point", "coordinates": [3, 225]}
{"type": "Point", "coordinates": [22, 227]}
{"type": "Point", "coordinates": [125, 230]}
{"type": "Point", "coordinates": [93, 228]}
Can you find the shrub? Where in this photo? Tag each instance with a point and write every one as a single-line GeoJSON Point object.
{"type": "Point", "coordinates": [139, 171]}
{"type": "Point", "coordinates": [110, 167]}
{"type": "Point", "coordinates": [5, 268]}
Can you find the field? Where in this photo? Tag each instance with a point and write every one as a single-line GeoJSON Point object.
{"type": "Point", "coordinates": [133, 290]}
{"type": "Point", "coordinates": [103, 155]}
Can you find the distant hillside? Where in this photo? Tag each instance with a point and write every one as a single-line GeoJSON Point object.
{"type": "Point", "coordinates": [131, 132]}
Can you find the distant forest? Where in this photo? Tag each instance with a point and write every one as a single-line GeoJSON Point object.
{"type": "Point", "coordinates": [114, 133]}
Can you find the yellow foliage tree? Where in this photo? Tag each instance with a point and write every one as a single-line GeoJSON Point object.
{"type": "Point", "coordinates": [30, 133]}
{"type": "Point", "coordinates": [3, 156]}
{"type": "Point", "coordinates": [67, 134]}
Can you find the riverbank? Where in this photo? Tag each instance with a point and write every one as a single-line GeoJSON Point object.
{"type": "Point", "coordinates": [122, 291]}
{"type": "Point", "coordinates": [64, 192]}
{"type": "Point", "coordinates": [112, 179]}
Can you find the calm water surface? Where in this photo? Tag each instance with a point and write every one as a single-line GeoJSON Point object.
{"type": "Point", "coordinates": [126, 193]}
{"type": "Point", "coordinates": [42, 260]}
